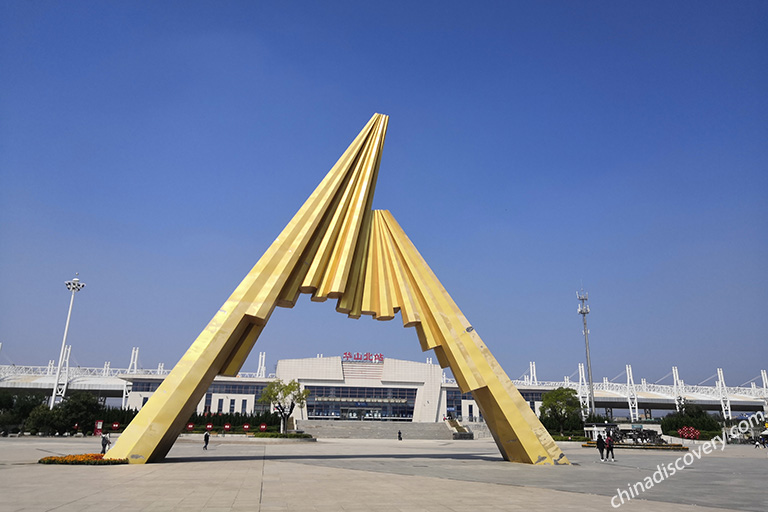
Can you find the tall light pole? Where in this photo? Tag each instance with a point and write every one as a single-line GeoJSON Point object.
{"type": "Point", "coordinates": [73, 286]}
{"type": "Point", "coordinates": [584, 311]}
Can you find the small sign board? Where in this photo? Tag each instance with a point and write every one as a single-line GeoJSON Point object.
{"type": "Point", "coordinates": [263, 427]}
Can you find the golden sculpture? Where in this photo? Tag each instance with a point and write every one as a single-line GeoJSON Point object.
{"type": "Point", "coordinates": [337, 247]}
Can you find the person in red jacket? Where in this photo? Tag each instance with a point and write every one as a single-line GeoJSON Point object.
{"type": "Point", "coordinates": [609, 447]}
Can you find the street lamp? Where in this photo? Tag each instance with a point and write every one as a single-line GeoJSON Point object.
{"type": "Point", "coordinates": [73, 286]}
{"type": "Point", "coordinates": [584, 311]}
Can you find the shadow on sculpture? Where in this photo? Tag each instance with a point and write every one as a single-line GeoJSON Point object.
{"type": "Point", "coordinates": [337, 247]}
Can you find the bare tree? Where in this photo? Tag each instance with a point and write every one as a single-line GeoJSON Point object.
{"type": "Point", "coordinates": [284, 397]}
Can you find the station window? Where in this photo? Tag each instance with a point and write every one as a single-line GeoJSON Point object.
{"type": "Point", "coordinates": [361, 403]}
{"type": "Point", "coordinates": [143, 385]}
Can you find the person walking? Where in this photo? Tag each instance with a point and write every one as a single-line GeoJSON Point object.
{"type": "Point", "coordinates": [600, 446]}
{"type": "Point", "coordinates": [206, 438]}
{"type": "Point", "coordinates": [399, 435]}
{"type": "Point", "coordinates": [609, 447]}
{"type": "Point", "coordinates": [105, 442]}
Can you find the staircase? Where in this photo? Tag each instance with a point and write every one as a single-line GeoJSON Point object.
{"type": "Point", "coordinates": [479, 429]}
{"type": "Point", "coordinates": [356, 429]}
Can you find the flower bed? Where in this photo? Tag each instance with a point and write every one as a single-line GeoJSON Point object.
{"type": "Point", "coordinates": [92, 459]}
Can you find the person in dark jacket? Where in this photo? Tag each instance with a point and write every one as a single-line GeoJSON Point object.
{"type": "Point", "coordinates": [600, 446]}
{"type": "Point", "coordinates": [105, 442]}
{"type": "Point", "coordinates": [206, 438]}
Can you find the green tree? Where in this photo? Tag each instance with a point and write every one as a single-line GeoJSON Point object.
{"type": "Point", "coordinates": [236, 419]}
{"type": "Point", "coordinates": [284, 397]}
{"type": "Point", "coordinates": [596, 418]}
{"type": "Point", "coordinates": [7, 418]}
{"type": "Point", "coordinates": [112, 414]}
{"type": "Point", "coordinates": [6, 401]}
{"type": "Point", "coordinates": [561, 410]}
{"type": "Point", "coordinates": [43, 419]}
{"type": "Point", "coordinates": [16, 407]}
{"type": "Point", "coordinates": [691, 415]}
{"type": "Point", "coordinates": [80, 407]}
{"type": "Point", "coordinates": [26, 402]}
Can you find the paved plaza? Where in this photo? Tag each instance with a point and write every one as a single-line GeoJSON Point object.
{"type": "Point", "coordinates": [369, 475]}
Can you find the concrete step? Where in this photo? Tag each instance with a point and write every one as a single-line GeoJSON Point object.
{"type": "Point", "coordinates": [358, 429]}
{"type": "Point", "coordinates": [479, 428]}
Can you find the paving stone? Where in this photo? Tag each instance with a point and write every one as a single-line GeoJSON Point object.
{"type": "Point", "coordinates": [349, 475]}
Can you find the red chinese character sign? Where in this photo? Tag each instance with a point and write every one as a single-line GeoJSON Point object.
{"type": "Point", "coordinates": [246, 427]}
{"type": "Point", "coordinates": [359, 357]}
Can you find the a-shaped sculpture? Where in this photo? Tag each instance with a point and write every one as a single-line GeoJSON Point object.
{"type": "Point", "coordinates": [337, 247]}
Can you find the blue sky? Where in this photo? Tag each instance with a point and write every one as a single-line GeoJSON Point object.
{"type": "Point", "coordinates": [157, 148]}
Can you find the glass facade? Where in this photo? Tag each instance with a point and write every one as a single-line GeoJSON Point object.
{"type": "Point", "coordinates": [358, 403]}
{"type": "Point", "coordinates": [338, 402]}
{"type": "Point", "coordinates": [225, 388]}
{"type": "Point", "coordinates": [237, 389]}
{"type": "Point", "coordinates": [142, 385]}
{"type": "Point", "coordinates": [216, 387]}
{"type": "Point", "coordinates": [532, 396]}
{"type": "Point", "coordinates": [453, 398]}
